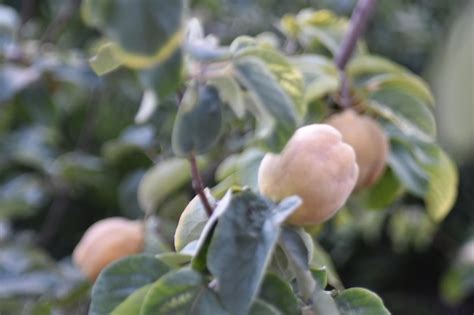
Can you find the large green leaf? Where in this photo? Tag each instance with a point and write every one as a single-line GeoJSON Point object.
{"type": "Point", "coordinates": [266, 90]}
{"type": "Point", "coordinates": [442, 186]}
{"type": "Point", "coordinates": [243, 240]}
{"type": "Point", "coordinates": [406, 112]}
{"type": "Point", "coordinates": [181, 292]}
{"type": "Point", "coordinates": [405, 82]}
{"type": "Point", "coordinates": [143, 32]}
{"type": "Point", "coordinates": [123, 277]}
{"type": "Point", "coordinates": [288, 76]}
{"type": "Point", "coordinates": [198, 124]}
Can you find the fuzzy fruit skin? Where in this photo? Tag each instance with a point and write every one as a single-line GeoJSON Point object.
{"type": "Point", "coordinates": [369, 142]}
{"type": "Point", "coordinates": [315, 165]}
{"type": "Point", "coordinates": [106, 241]}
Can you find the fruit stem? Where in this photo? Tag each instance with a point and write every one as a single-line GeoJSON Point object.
{"type": "Point", "coordinates": [360, 17]}
{"type": "Point", "coordinates": [198, 184]}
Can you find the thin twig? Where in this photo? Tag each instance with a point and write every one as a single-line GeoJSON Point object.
{"type": "Point", "coordinates": [198, 185]}
{"type": "Point", "coordinates": [359, 19]}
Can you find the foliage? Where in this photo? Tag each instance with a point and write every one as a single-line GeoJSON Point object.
{"type": "Point", "coordinates": [235, 102]}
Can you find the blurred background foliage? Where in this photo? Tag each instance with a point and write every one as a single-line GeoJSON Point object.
{"type": "Point", "coordinates": [71, 154]}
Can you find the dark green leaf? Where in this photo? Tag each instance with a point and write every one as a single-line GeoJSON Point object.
{"type": "Point", "coordinates": [181, 292]}
{"type": "Point", "coordinates": [198, 124]}
{"type": "Point", "coordinates": [243, 240]}
{"type": "Point", "coordinates": [122, 278]}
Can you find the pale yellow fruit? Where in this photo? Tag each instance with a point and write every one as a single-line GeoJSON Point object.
{"type": "Point", "coordinates": [315, 165]}
{"type": "Point", "coordinates": [369, 142]}
{"type": "Point", "coordinates": [106, 241]}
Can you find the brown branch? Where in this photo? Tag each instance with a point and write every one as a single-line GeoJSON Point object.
{"type": "Point", "coordinates": [358, 23]}
{"type": "Point", "coordinates": [198, 185]}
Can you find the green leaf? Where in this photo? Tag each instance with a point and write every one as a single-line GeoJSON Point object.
{"type": "Point", "coordinates": [265, 89]}
{"type": "Point", "coordinates": [407, 83]}
{"type": "Point", "coordinates": [243, 240]}
{"type": "Point", "coordinates": [360, 301]}
{"type": "Point", "coordinates": [407, 169]}
{"type": "Point", "coordinates": [442, 186]}
{"type": "Point", "coordinates": [230, 94]}
{"type": "Point", "coordinates": [288, 76]}
{"type": "Point", "coordinates": [372, 64]}
{"type": "Point", "coordinates": [133, 303]}
{"type": "Point", "coordinates": [181, 292]}
{"type": "Point", "coordinates": [199, 261]}
{"type": "Point", "coordinates": [321, 259]}
{"type": "Point", "coordinates": [383, 193]}
{"type": "Point", "coordinates": [162, 180]}
{"type": "Point", "coordinates": [192, 221]}
{"type": "Point", "coordinates": [123, 277]}
{"type": "Point", "coordinates": [296, 244]}
{"type": "Point", "coordinates": [279, 294]}
{"type": "Point", "coordinates": [406, 112]}
{"type": "Point", "coordinates": [144, 32]}
{"type": "Point", "coordinates": [198, 124]}
{"type": "Point", "coordinates": [174, 260]}
{"type": "Point", "coordinates": [320, 73]}
{"type": "Point", "coordinates": [104, 61]}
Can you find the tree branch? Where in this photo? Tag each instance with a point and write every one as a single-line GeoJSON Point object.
{"type": "Point", "coordinates": [358, 23]}
{"type": "Point", "coordinates": [198, 185]}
